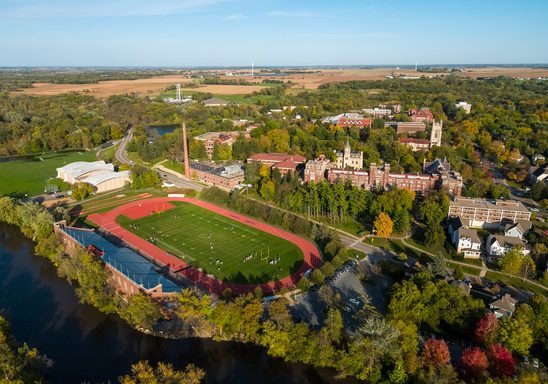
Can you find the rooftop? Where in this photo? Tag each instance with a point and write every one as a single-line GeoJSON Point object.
{"type": "Point", "coordinates": [413, 141]}
{"type": "Point", "coordinates": [277, 157]}
{"type": "Point", "coordinates": [124, 260]}
{"type": "Point", "coordinates": [105, 176]}
{"type": "Point", "coordinates": [80, 168]}
{"type": "Point", "coordinates": [466, 233]}
{"type": "Point", "coordinates": [489, 204]}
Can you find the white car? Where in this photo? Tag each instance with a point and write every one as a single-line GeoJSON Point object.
{"type": "Point", "coordinates": [168, 184]}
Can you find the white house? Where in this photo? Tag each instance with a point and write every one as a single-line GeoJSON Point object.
{"type": "Point", "coordinates": [499, 245]}
{"type": "Point", "coordinates": [467, 242]}
{"type": "Point", "coordinates": [518, 229]}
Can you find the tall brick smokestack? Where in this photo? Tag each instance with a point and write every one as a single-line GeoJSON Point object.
{"type": "Point", "coordinates": [185, 154]}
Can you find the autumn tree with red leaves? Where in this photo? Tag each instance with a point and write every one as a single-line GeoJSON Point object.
{"type": "Point", "coordinates": [474, 362]}
{"type": "Point", "coordinates": [502, 362]}
{"type": "Point", "coordinates": [435, 352]}
{"type": "Point", "coordinates": [486, 329]}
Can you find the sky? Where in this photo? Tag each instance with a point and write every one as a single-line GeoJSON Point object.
{"type": "Point", "coordinates": [227, 33]}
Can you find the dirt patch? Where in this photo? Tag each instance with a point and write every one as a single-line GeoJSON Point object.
{"type": "Point", "coordinates": [152, 87]}
{"type": "Point", "coordinates": [309, 80]}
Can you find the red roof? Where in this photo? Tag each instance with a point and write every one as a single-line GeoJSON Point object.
{"type": "Point", "coordinates": [277, 157]}
{"type": "Point", "coordinates": [286, 164]}
{"type": "Point", "coordinates": [423, 112]}
{"type": "Point", "coordinates": [415, 141]}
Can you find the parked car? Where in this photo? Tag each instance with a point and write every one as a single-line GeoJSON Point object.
{"type": "Point", "coordinates": [535, 363]}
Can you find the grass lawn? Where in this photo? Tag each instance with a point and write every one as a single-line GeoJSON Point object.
{"type": "Point", "coordinates": [29, 175]}
{"type": "Point", "coordinates": [108, 154]}
{"type": "Point", "coordinates": [349, 226]}
{"type": "Point", "coordinates": [515, 282]}
{"type": "Point", "coordinates": [218, 244]}
{"type": "Point", "coordinates": [174, 166]}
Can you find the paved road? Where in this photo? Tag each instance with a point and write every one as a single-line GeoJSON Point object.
{"type": "Point", "coordinates": [121, 153]}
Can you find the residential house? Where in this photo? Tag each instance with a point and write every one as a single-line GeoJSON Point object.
{"type": "Point", "coordinates": [499, 245]}
{"type": "Point", "coordinates": [467, 242]}
{"type": "Point", "coordinates": [536, 174]}
{"type": "Point", "coordinates": [504, 306]}
{"type": "Point", "coordinates": [518, 229]}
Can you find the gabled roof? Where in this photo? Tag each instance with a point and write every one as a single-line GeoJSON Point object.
{"type": "Point", "coordinates": [467, 233]}
{"type": "Point", "coordinates": [505, 302]}
{"type": "Point", "coordinates": [505, 241]}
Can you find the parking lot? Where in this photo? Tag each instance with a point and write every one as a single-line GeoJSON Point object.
{"type": "Point", "coordinates": [355, 299]}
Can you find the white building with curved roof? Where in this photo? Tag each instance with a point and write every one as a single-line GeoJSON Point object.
{"type": "Point", "coordinates": [75, 172]}
{"type": "Point", "coordinates": [108, 180]}
{"type": "Point", "coordinates": [97, 173]}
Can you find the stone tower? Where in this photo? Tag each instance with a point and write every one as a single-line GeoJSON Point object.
{"type": "Point", "coordinates": [435, 136]}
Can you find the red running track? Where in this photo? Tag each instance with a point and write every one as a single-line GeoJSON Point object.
{"type": "Point", "coordinates": [312, 258]}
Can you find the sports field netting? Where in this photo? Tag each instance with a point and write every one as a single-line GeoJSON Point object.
{"type": "Point", "coordinates": [229, 250]}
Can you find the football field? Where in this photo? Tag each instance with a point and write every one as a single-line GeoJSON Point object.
{"type": "Point", "coordinates": [229, 250]}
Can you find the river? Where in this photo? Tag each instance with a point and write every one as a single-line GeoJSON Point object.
{"type": "Point", "coordinates": [88, 346]}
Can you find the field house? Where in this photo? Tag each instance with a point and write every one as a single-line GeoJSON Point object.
{"type": "Point", "coordinates": [208, 245]}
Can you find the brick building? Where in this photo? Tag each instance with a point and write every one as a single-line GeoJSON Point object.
{"type": "Point", "coordinates": [315, 170]}
{"type": "Point", "coordinates": [409, 127]}
{"type": "Point", "coordinates": [422, 115]}
{"type": "Point", "coordinates": [226, 176]}
{"type": "Point", "coordinates": [210, 139]}
{"type": "Point", "coordinates": [283, 162]}
{"type": "Point", "coordinates": [130, 272]}
{"type": "Point", "coordinates": [415, 144]}
{"type": "Point", "coordinates": [377, 178]}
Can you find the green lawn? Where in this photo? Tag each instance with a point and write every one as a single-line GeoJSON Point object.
{"type": "Point", "coordinates": [218, 244]}
{"type": "Point", "coordinates": [108, 154]}
{"type": "Point", "coordinates": [29, 175]}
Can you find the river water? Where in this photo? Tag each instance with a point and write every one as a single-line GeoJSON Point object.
{"type": "Point", "coordinates": [88, 346]}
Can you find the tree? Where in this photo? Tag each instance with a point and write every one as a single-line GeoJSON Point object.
{"type": "Point", "coordinates": [317, 277]}
{"type": "Point", "coordinates": [502, 362]}
{"type": "Point", "coordinates": [143, 373]}
{"type": "Point", "coordinates": [402, 221]}
{"type": "Point", "coordinates": [474, 362]}
{"type": "Point", "coordinates": [459, 274]}
{"type": "Point", "coordinates": [435, 236]}
{"type": "Point", "coordinates": [486, 329]}
{"type": "Point", "coordinates": [435, 352]}
{"type": "Point", "coordinates": [515, 262]}
{"type": "Point", "coordinates": [267, 190]}
{"type": "Point", "coordinates": [334, 325]}
{"type": "Point", "coordinates": [383, 225]}
{"type": "Point", "coordinates": [516, 334]}
{"type": "Point", "coordinates": [81, 190]}
{"type": "Point", "coordinates": [222, 152]}
{"type": "Point", "coordinates": [398, 374]}
{"type": "Point", "coordinates": [539, 191]}
{"type": "Point", "coordinates": [142, 177]}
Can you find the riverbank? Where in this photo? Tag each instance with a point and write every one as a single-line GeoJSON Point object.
{"type": "Point", "coordinates": [88, 346]}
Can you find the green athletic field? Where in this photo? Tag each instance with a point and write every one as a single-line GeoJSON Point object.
{"type": "Point", "coordinates": [29, 175]}
{"type": "Point", "coordinates": [218, 244]}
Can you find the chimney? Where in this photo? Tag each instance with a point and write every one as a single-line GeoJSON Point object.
{"type": "Point", "coordinates": [185, 154]}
